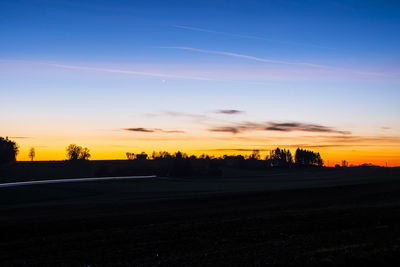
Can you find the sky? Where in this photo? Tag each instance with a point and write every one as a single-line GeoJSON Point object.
{"type": "Point", "coordinates": [216, 77]}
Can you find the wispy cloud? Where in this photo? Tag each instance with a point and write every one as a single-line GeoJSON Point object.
{"type": "Point", "coordinates": [143, 130]}
{"type": "Point", "coordinates": [195, 119]}
{"type": "Point", "coordinates": [226, 129]}
{"type": "Point", "coordinates": [305, 127]}
{"type": "Point", "coordinates": [184, 114]}
{"type": "Point", "coordinates": [229, 111]}
{"type": "Point", "coordinates": [228, 126]}
{"type": "Point", "coordinates": [277, 127]}
{"type": "Point", "coordinates": [198, 118]}
{"type": "Point", "coordinates": [353, 139]}
{"type": "Point", "coordinates": [245, 36]}
{"type": "Point", "coordinates": [291, 146]}
{"type": "Point", "coordinates": [152, 130]}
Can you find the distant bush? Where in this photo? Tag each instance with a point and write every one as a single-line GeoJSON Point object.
{"type": "Point", "coordinates": [141, 156]}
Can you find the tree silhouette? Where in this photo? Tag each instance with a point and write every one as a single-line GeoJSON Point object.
{"type": "Point", "coordinates": [255, 155]}
{"type": "Point", "coordinates": [32, 153]}
{"type": "Point", "coordinates": [280, 158]}
{"type": "Point", "coordinates": [8, 150]}
{"type": "Point", "coordinates": [75, 152]}
{"type": "Point", "coordinates": [305, 157]}
{"type": "Point", "coordinates": [142, 156]}
{"type": "Point", "coordinates": [85, 154]}
{"type": "Point", "coordinates": [130, 156]}
{"type": "Point", "coordinates": [161, 155]}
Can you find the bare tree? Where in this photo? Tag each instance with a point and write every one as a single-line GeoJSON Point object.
{"type": "Point", "coordinates": [32, 153]}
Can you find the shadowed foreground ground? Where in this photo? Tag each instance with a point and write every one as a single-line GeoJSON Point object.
{"type": "Point", "coordinates": [314, 217]}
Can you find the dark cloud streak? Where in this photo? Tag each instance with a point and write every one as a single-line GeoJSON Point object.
{"type": "Point", "coordinates": [152, 130]}
{"type": "Point", "coordinates": [233, 130]}
{"type": "Point", "coordinates": [277, 127]}
{"type": "Point", "coordinates": [144, 130]}
{"type": "Point", "coordinates": [229, 111]}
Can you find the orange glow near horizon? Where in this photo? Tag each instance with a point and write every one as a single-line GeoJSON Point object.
{"type": "Point", "coordinates": [101, 149]}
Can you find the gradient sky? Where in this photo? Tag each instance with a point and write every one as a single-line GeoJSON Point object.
{"type": "Point", "coordinates": [216, 77]}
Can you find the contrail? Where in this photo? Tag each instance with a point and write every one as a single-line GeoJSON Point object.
{"type": "Point", "coordinates": [244, 36]}
{"type": "Point", "coordinates": [110, 70]}
{"type": "Point", "coordinates": [267, 60]}
{"type": "Point", "coordinates": [151, 74]}
{"type": "Point", "coordinates": [225, 53]}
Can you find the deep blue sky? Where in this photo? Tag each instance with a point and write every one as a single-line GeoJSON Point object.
{"type": "Point", "coordinates": [127, 30]}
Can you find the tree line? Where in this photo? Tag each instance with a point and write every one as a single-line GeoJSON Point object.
{"type": "Point", "coordinates": [277, 157]}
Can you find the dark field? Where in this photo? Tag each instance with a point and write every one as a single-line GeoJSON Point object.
{"type": "Point", "coordinates": [310, 217]}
